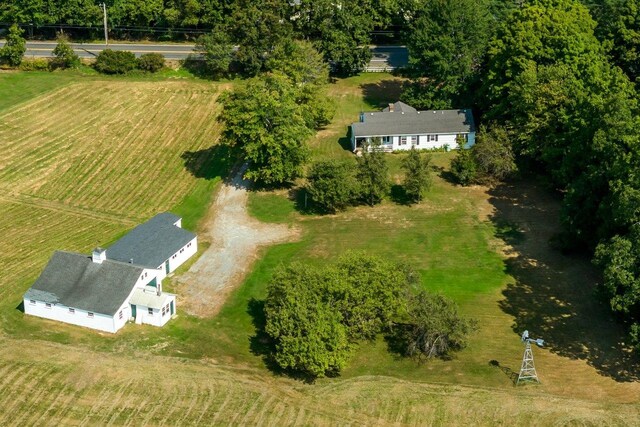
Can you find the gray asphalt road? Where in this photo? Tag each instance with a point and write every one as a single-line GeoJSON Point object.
{"type": "Point", "coordinates": [384, 57]}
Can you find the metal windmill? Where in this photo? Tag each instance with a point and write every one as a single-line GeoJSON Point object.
{"type": "Point", "coordinates": [528, 369]}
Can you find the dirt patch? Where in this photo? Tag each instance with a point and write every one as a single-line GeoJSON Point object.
{"type": "Point", "coordinates": [236, 239]}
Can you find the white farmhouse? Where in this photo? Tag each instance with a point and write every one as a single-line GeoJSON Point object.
{"type": "Point", "coordinates": [112, 286]}
{"type": "Point", "coordinates": [402, 127]}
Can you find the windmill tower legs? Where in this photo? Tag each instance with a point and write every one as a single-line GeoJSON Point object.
{"type": "Point", "coordinates": [528, 369]}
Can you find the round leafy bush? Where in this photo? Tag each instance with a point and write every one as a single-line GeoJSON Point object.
{"type": "Point", "coordinates": [115, 61]}
{"type": "Point", "coordinates": [151, 62]}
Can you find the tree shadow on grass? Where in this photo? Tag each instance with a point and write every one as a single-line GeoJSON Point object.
{"type": "Point", "coordinates": [554, 295]}
{"type": "Point", "coordinates": [446, 175]}
{"type": "Point", "coordinates": [262, 345]}
{"type": "Point", "coordinates": [210, 163]}
{"type": "Point", "coordinates": [399, 195]}
{"type": "Point", "coordinates": [382, 93]}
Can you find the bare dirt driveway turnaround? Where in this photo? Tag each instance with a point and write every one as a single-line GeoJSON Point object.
{"type": "Point", "coordinates": [236, 239]}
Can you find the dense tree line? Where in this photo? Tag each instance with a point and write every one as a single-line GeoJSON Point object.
{"type": "Point", "coordinates": [555, 91]}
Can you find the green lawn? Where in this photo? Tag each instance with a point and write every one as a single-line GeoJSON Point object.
{"type": "Point", "coordinates": [452, 238]}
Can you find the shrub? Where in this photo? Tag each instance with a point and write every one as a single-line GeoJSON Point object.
{"type": "Point", "coordinates": [373, 174]}
{"type": "Point", "coordinates": [493, 154]}
{"type": "Point", "coordinates": [463, 166]}
{"type": "Point", "coordinates": [65, 57]}
{"type": "Point", "coordinates": [14, 48]}
{"type": "Point", "coordinates": [433, 328]}
{"type": "Point", "coordinates": [151, 62]}
{"type": "Point", "coordinates": [332, 185]}
{"type": "Point", "coordinates": [115, 61]}
{"type": "Point", "coordinates": [35, 64]}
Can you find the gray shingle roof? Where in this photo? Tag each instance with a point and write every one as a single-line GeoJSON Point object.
{"type": "Point", "coordinates": [152, 243]}
{"type": "Point", "coordinates": [400, 107]}
{"type": "Point", "coordinates": [414, 123]}
{"type": "Point", "coordinates": [74, 280]}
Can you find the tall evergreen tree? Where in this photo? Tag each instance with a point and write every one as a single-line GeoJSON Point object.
{"type": "Point", "coordinates": [417, 179]}
{"type": "Point", "coordinates": [373, 174]}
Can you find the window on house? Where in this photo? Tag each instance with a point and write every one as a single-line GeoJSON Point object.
{"type": "Point", "coordinates": [181, 250]}
{"type": "Point", "coordinates": [387, 140]}
{"type": "Point", "coordinates": [414, 140]}
{"type": "Point", "coordinates": [163, 311]}
{"type": "Point", "coordinates": [120, 315]}
{"type": "Point", "coordinates": [462, 136]}
{"type": "Point", "coordinates": [72, 310]}
{"type": "Point", "coordinates": [90, 314]}
{"type": "Point", "coordinates": [32, 302]}
{"type": "Point", "coordinates": [188, 245]}
{"type": "Point", "coordinates": [47, 305]}
{"type": "Point", "coordinates": [432, 138]}
{"type": "Point", "coordinates": [403, 140]}
{"type": "Point", "coordinates": [150, 310]}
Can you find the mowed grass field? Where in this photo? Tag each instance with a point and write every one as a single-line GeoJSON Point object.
{"type": "Point", "coordinates": [155, 141]}
{"type": "Point", "coordinates": [86, 159]}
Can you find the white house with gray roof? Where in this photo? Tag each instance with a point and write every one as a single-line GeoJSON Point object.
{"type": "Point", "coordinates": [402, 127]}
{"type": "Point", "coordinates": [115, 285]}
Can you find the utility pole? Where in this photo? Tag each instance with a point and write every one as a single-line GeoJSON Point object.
{"type": "Point", "coordinates": [104, 14]}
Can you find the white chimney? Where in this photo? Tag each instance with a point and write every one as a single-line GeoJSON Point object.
{"type": "Point", "coordinates": [391, 108]}
{"type": "Point", "coordinates": [99, 255]}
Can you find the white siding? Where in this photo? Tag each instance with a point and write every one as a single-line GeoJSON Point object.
{"type": "Point", "coordinates": [423, 143]}
{"type": "Point", "coordinates": [183, 254]}
{"type": "Point", "coordinates": [154, 318]}
{"type": "Point", "coordinates": [61, 313]}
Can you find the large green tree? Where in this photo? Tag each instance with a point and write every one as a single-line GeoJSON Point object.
{"type": "Point", "coordinates": [447, 41]}
{"type": "Point", "coordinates": [309, 73]}
{"type": "Point", "coordinates": [619, 28]}
{"type": "Point", "coordinates": [308, 333]}
{"type": "Point", "coordinates": [265, 122]}
{"type": "Point", "coordinates": [369, 293]}
{"type": "Point", "coordinates": [340, 30]}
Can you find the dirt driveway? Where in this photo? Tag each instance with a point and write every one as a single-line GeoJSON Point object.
{"type": "Point", "coordinates": [235, 241]}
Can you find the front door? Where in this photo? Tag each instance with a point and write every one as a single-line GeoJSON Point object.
{"type": "Point", "coordinates": [166, 266]}
{"type": "Point", "coordinates": [133, 311]}
{"type": "Point", "coordinates": [172, 308]}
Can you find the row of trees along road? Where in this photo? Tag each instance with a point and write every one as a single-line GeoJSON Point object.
{"type": "Point", "coordinates": [557, 88]}
{"type": "Point", "coordinates": [340, 31]}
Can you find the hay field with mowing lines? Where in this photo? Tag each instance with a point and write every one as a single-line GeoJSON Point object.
{"type": "Point", "coordinates": [50, 384]}
{"type": "Point", "coordinates": [84, 145]}
{"type": "Point", "coordinates": [84, 162]}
